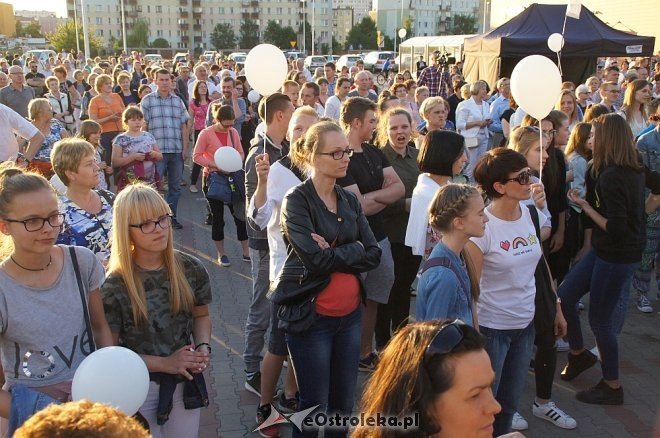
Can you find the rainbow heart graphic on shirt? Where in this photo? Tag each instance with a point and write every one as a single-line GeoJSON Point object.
{"type": "Point", "coordinates": [517, 243]}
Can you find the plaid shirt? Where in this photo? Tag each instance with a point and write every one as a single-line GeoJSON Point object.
{"type": "Point", "coordinates": [436, 80]}
{"type": "Point", "coordinates": [165, 117]}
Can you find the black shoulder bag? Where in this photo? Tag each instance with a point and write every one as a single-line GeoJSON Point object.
{"type": "Point", "coordinates": [545, 301]}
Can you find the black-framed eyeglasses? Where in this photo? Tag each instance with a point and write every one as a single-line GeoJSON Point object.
{"type": "Point", "coordinates": [37, 223]}
{"type": "Point", "coordinates": [148, 227]}
{"type": "Point", "coordinates": [549, 132]}
{"type": "Point", "coordinates": [523, 178]}
{"type": "Point", "coordinates": [338, 155]}
{"type": "Point", "coordinates": [445, 340]}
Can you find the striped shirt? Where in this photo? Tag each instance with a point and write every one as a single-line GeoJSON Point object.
{"type": "Point", "coordinates": [164, 116]}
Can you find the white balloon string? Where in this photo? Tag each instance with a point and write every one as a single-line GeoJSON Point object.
{"type": "Point", "coordinates": [563, 40]}
{"type": "Point", "coordinates": [542, 149]}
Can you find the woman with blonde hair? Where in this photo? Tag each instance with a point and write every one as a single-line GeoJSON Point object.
{"type": "Point", "coordinates": [329, 239]}
{"type": "Point", "coordinates": [472, 122]}
{"type": "Point", "coordinates": [106, 109]}
{"type": "Point", "coordinates": [635, 105]}
{"type": "Point", "coordinates": [41, 116]}
{"type": "Point", "coordinates": [567, 103]}
{"type": "Point", "coordinates": [448, 287]}
{"type": "Point", "coordinates": [438, 372]}
{"type": "Point", "coordinates": [434, 111]}
{"type": "Point", "coordinates": [156, 303]}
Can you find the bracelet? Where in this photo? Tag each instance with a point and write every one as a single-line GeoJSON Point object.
{"type": "Point", "coordinates": [202, 344]}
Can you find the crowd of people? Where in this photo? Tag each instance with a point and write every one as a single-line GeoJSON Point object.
{"type": "Point", "coordinates": [351, 198]}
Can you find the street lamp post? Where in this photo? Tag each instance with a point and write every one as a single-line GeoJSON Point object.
{"type": "Point", "coordinates": [85, 34]}
{"type": "Point", "coordinates": [75, 20]}
{"type": "Point", "coordinates": [123, 25]}
{"type": "Point", "coordinates": [313, 28]}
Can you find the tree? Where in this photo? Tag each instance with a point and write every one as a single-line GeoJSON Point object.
{"type": "Point", "coordinates": [249, 34]}
{"type": "Point", "coordinates": [32, 30]}
{"type": "Point", "coordinates": [64, 37]}
{"type": "Point", "coordinates": [464, 24]}
{"type": "Point", "coordinates": [139, 35]}
{"type": "Point", "coordinates": [279, 36]}
{"type": "Point", "coordinates": [407, 25]}
{"type": "Point", "coordinates": [160, 43]}
{"type": "Point", "coordinates": [388, 43]}
{"type": "Point", "coordinates": [336, 45]}
{"type": "Point", "coordinates": [223, 36]}
{"type": "Point", "coordinates": [363, 36]}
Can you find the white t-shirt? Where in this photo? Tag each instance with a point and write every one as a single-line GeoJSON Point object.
{"type": "Point", "coordinates": [511, 252]}
{"type": "Point", "coordinates": [11, 125]}
{"type": "Point", "coordinates": [209, 84]}
{"type": "Point", "coordinates": [332, 107]}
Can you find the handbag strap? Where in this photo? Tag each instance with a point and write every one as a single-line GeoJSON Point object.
{"type": "Point", "coordinates": [535, 218]}
{"type": "Point", "coordinates": [88, 327]}
{"type": "Point", "coordinates": [446, 262]}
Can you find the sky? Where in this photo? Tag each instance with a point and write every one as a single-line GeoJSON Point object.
{"type": "Point", "coordinates": [57, 6]}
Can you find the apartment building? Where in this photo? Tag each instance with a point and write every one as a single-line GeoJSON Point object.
{"type": "Point", "coordinates": [7, 23]}
{"type": "Point", "coordinates": [188, 24]}
{"type": "Point", "coordinates": [360, 8]}
{"type": "Point", "coordinates": [342, 23]}
{"type": "Point", "coordinates": [429, 17]}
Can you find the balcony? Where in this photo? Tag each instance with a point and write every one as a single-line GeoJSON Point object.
{"type": "Point", "coordinates": [254, 15]}
{"type": "Point", "coordinates": [197, 12]}
{"type": "Point", "coordinates": [197, 27]}
{"type": "Point", "coordinates": [198, 39]}
{"type": "Point", "coordinates": [196, 3]}
{"type": "Point", "coordinates": [183, 2]}
{"type": "Point", "coordinates": [183, 24]}
{"type": "Point", "coordinates": [183, 13]}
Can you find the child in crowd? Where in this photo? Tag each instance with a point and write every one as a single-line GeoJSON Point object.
{"type": "Point", "coordinates": [135, 151]}
{"type": "Point", "coordinates": [91, 131]}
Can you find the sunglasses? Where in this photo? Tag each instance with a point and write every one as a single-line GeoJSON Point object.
{"type": "Point", "coordinates": [523, 178]}
{"type": "Point", "coordinates": [445, 340]}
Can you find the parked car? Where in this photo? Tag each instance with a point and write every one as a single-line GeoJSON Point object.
{"type": "Point", "coordinates": [237, 57]}
{"type": "Point", "coordinates": [153, 58]}
{"type": "Point", "coordinates": [347, 61]}
{"type": "Point", "coordinates": [374, 60]}
{"type": "Point", "coordinates": [332, 58]}
{"type": "Point", "coordinates": [294, 54]}
{"type": "Point", "coordinates": [181, 57]}
{"type": "Point", "coordinates": [313, 62]}
{"type": "Point", "coordinates": [210, 55]}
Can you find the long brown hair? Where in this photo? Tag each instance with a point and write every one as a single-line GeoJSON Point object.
{"type": "Point", "coordinates": [403, 384]}
{"type": "Point", "coordinates": [629, 99]}
{"type": "Point", "coordinates": [613, 144]}
{"type": "Point", "coordinates": [577, 143]}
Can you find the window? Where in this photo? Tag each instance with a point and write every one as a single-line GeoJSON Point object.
{"type": "Point", "coordinates": [221, 10]}
{"type": "Point", "coordinates": [118, 20]}
{"type": "Point", "coordinates": [99, 32]}
{"type": "Point", "coordinates": [148, 8]}
{"type": "Point", "coordinates": [99, 20]}
{"type": "Point", "coordinates": [159, 9]}
{"type": "Point", "coordinates": [98, 8]}
{"type": "Point", "coordinates": [159, 33]}
{"type": "Point", "coordinates": [159, 21]}
{"type": "Point", "coordinates": [278, 11]}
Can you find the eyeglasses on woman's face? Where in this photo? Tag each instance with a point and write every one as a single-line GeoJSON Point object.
{"type": "Point", "coordinates": [338, 155]}
{"type": "Point", "coordinates": [148, 227]}
{"type": "Point", "coordinates": [523, 178]}
{"type": "Point", "coordinates": [34, 224]}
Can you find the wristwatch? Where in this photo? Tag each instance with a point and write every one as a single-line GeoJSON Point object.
{"type": "Point", "coordinates": [558, 300]}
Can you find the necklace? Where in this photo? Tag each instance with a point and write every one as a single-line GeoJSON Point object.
{"type": "Point", "coordinates": [50, 262]}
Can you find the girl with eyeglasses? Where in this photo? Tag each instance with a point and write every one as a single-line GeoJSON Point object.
{"type": "Point", "coordinates": [505, 258]}
{"type": "Point", "coordinates": [436, 371]}
{"type": "Point", "coordinates": [156, 303]}
{"type": "Point", "coordinates": [47, 289]}
{"type": "Point", "coordinates": [329, 244]}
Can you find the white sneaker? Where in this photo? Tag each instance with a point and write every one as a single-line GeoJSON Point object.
{"type": "Point", "coordinates": [519, 423]}
{"type": "Point", "coordinates": [580, 305]}
{"type": "Point", "coordinates": [596, 352]}
{"type": "Point", "coordinates": [562, 345]}
{"type": "Point", "coordinates": [553, 414]}
{"type": "Point", "coordinates": [644, 305]}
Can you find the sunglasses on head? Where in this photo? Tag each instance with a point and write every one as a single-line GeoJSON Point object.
{"type": "Point", "coordinates": [445, 340]}
{"type": "Point", "coordinates": [523, 177]}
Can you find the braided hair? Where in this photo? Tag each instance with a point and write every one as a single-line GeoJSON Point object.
{"type": "Point", "coordinates": [449, 203]}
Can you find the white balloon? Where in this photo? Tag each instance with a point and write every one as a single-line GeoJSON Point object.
{"type": "Point", "coordinates": [115, 376]}
{"type": "Point", "coordinates": [228, 159]}
{"type": "Point", "coordinates": [403, 32]}
{"type": "Point", "coordinates": [556, 42]}
{"type": "Point", "coordinates": [536, 84]}
{"type": "Point", "coordinates": [265, 68]}
{"type": "Point", "coordinates": [254, 96]}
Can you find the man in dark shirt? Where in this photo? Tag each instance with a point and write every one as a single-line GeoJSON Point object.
{"type": "Point", "coordinates": [35, 79]}
{"type": "Point", "coordinates": [371, 177]}
{"type": "Point", "coordinates": [421, 65]}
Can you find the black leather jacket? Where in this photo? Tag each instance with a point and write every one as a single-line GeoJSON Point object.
{"type": "Point", "coordinates": [354, 248]}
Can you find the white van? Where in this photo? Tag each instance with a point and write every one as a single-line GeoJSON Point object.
{"type": "Point", "coordinates": [42, 58]}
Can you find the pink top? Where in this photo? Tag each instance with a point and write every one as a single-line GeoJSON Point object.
{"type": "Point", "coordinates": [199, 112]}
{"type": "Point", "coordinates": [209, 141]}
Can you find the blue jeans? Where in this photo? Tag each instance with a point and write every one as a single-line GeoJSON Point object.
{"type": "Point", "coordinates": [510, 352]}
{"type": "Point", "coordinates": [173, 165]}
{"type": "Point", "coordinates": [606, 283]}
{"type": "Point", "coordinates": [325, 358]}
{"type": "Point", "coordinates": [25, 402]}
{"type": "Point", "coordinates": [258, 318]}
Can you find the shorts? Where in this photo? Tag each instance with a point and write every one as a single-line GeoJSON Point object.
{"type": "Point", "coordinates": [378, 282]}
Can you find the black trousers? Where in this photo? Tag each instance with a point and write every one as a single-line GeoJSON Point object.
{"type": "Point", "coordinates": [395, 313]}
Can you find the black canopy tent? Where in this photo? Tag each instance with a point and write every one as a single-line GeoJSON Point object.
{"type": "Point", "coordinates": [495, 54]}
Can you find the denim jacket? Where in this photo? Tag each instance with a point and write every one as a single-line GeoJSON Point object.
{"type": "Point", "coordinates": [439, 292]}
